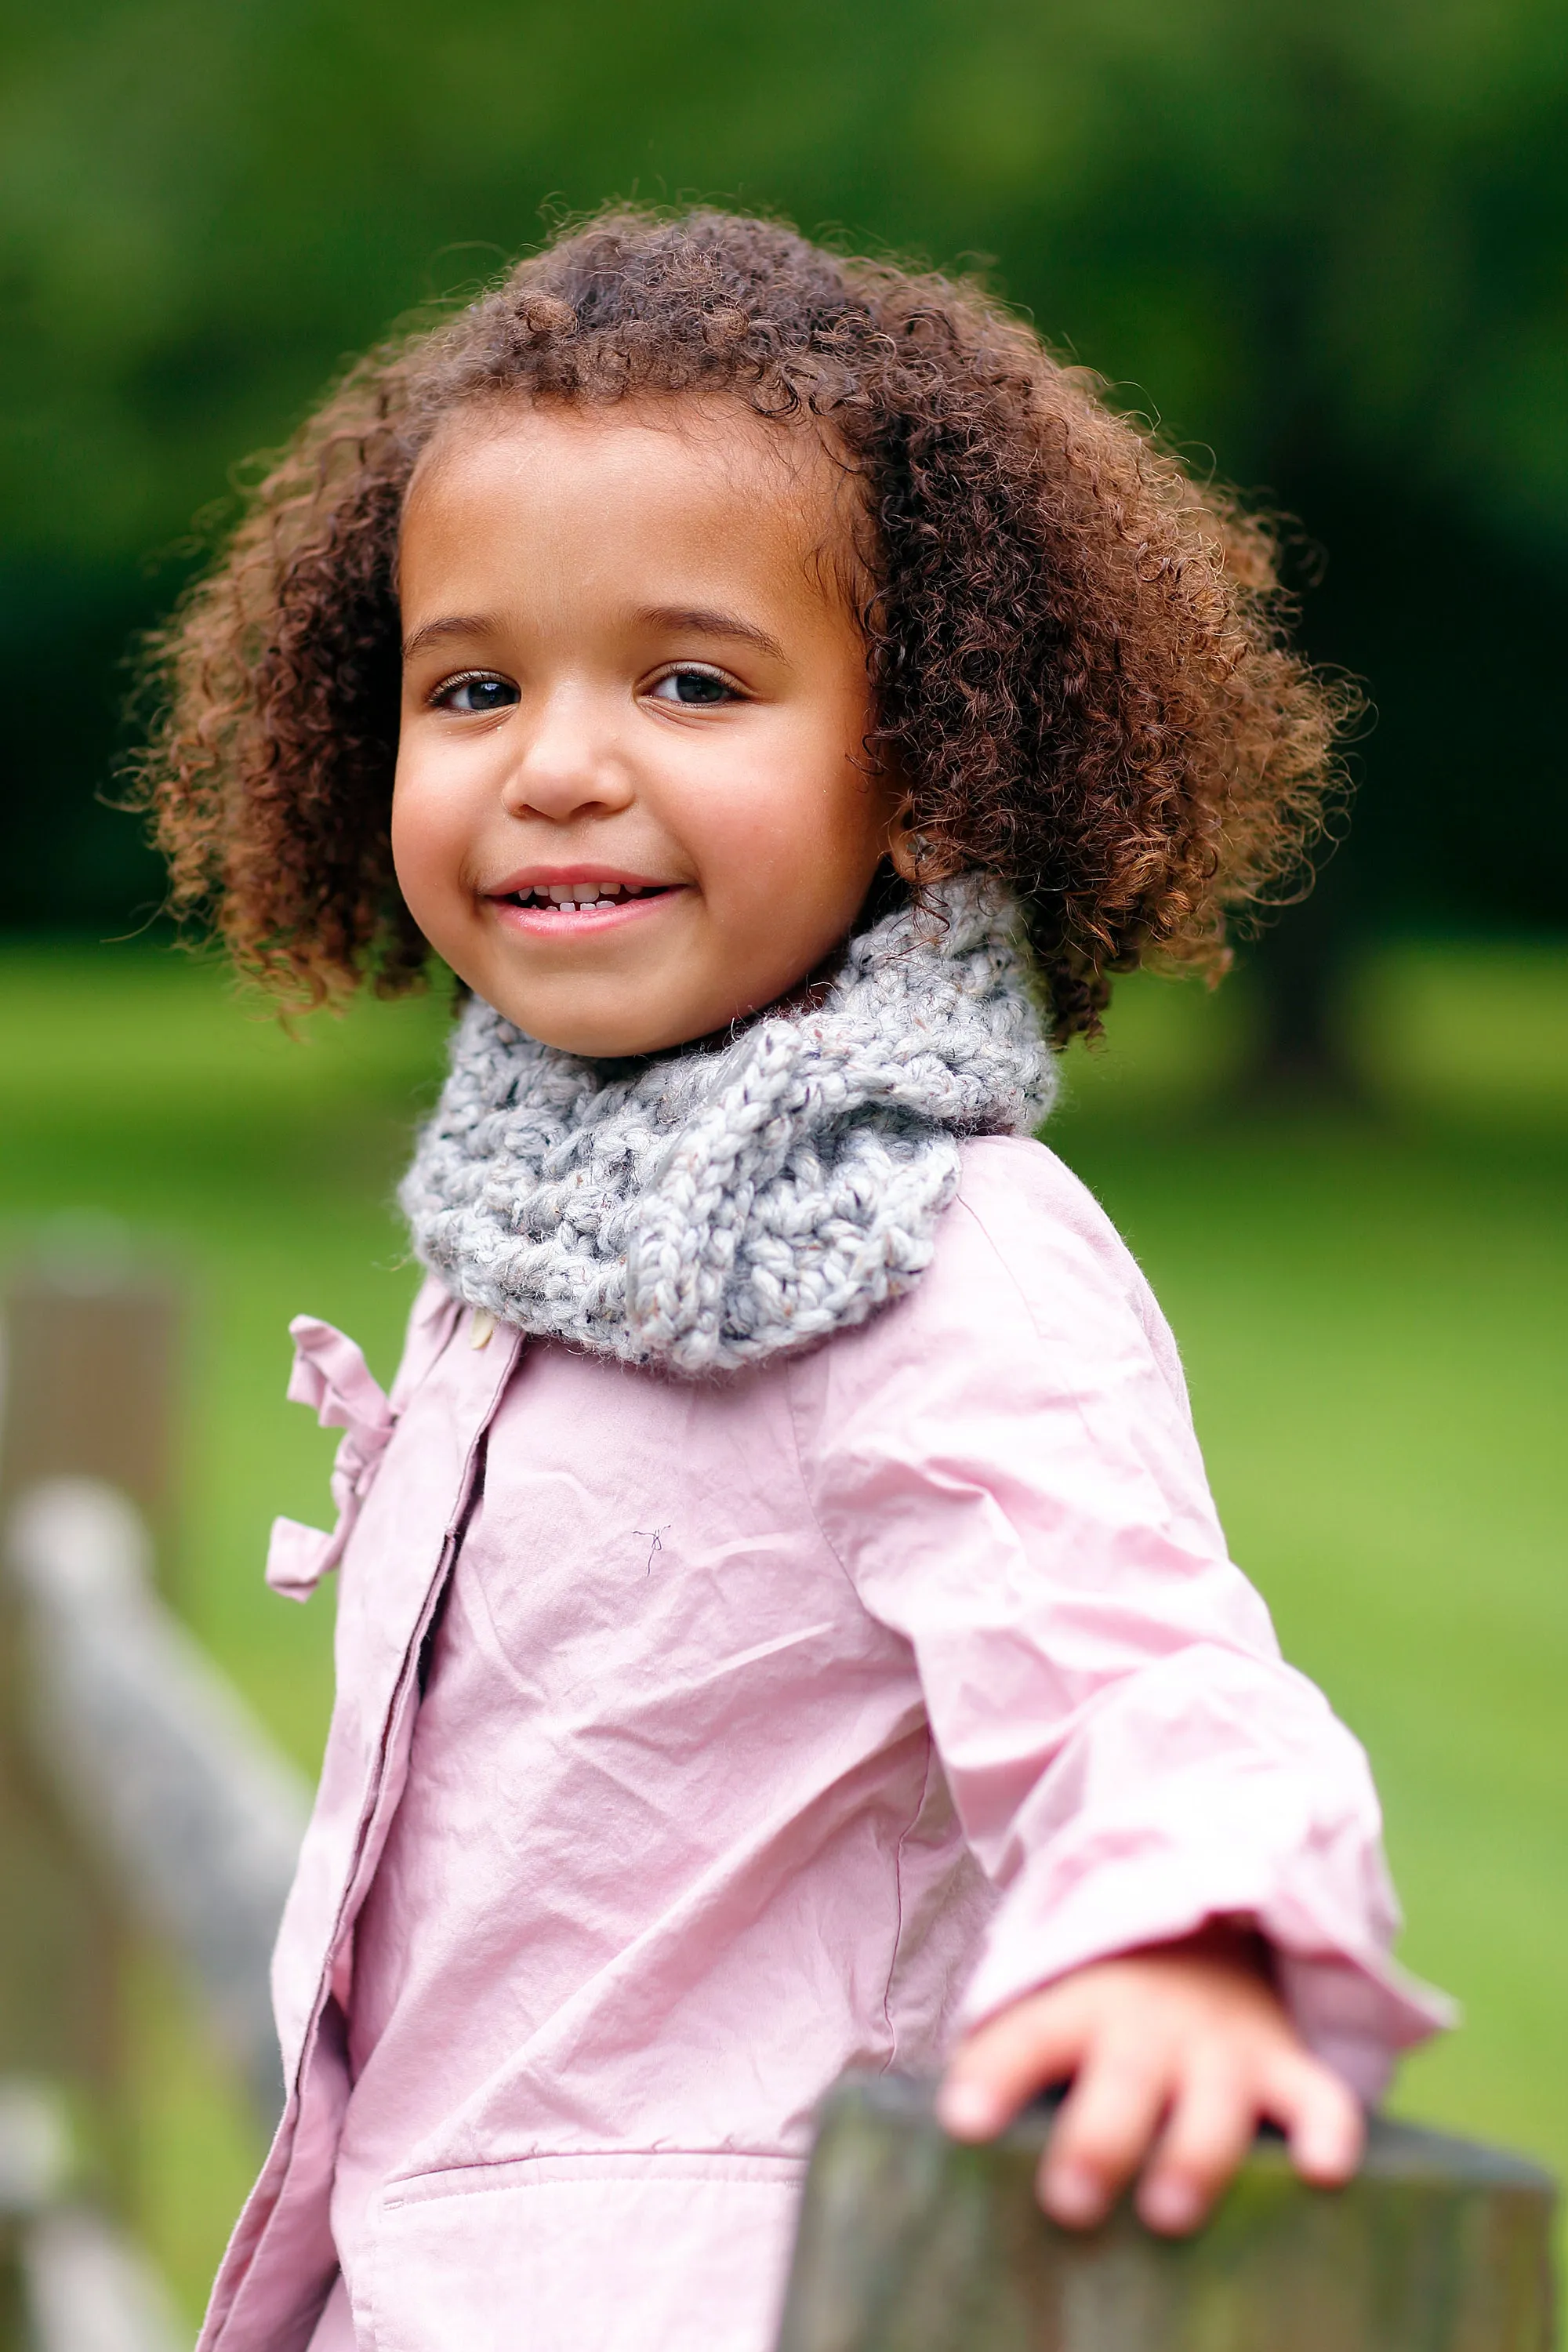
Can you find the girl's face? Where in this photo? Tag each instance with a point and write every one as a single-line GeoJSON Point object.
{"type": "Point", "coordinates": [632, 803]}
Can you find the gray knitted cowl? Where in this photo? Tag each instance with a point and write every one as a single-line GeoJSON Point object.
{"type": "Point", "coordinates": [703, 1209]}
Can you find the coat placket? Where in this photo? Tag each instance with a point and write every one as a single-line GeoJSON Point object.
{"type": "Point", "coordinates": [395, 1560]}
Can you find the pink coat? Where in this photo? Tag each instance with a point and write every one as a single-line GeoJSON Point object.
{"type": "Point", "coordinates": [695, 1741]}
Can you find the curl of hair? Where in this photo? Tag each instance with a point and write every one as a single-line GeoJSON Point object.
{"type": "Point", "coordinates": [1078, 653]}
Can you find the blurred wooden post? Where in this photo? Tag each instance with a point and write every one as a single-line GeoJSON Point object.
{"type": "Point", "coordinates": [86, 1389]}
{"type": "Point", "coordinates": [910, 2242]}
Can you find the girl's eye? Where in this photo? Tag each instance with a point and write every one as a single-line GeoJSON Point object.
{"type": "Point", "coordinates": [694, 689]}
{"type": "Point", "coordinates": [476, 695]}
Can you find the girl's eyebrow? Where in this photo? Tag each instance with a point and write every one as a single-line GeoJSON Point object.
{"type": "Point", "coordinates": [457, 624]}
{"type": "Point", "coordinates": [704, 622]}
{"type": "Point", "coordinates": [697, 619]}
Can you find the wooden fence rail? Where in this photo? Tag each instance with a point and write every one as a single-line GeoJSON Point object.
{"type": "Point", "coordinates": [136, 1794]}
{"type": "Point", "coordinates": [164, 1773]}
{"type": "Point", "coordinates": [910, 2242]}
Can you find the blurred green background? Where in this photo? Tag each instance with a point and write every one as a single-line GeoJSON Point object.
{"type": "Point", "coordinates": [1327, 246]}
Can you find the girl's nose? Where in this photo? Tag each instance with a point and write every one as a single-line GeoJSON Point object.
{"type": "Point", "coordinates": [571, 762]}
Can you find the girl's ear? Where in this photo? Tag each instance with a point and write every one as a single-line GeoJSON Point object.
{"type": "Point", "coordinates": [916, 856]}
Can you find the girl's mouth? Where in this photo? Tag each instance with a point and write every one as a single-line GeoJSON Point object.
{"type": "Point", "coordinates": [555, 908]}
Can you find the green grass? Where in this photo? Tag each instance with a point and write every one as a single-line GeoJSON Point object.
{"type": "Point", "coordinates": [1370, 1305]}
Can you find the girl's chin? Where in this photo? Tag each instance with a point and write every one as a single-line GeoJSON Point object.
{"type": "Point", "coordinates": [617, 1026]}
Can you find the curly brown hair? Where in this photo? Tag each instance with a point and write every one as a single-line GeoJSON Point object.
{"type": "Point", "coordinates": [1077, 651]}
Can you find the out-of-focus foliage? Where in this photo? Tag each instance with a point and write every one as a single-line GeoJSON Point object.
{"type": "Point", "coordinates": [1327, 238]}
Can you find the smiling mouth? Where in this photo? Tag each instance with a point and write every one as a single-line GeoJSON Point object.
{"type": "Point", "coordinates": [575, 897]}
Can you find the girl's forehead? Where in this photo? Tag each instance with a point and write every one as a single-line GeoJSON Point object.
{"type": "Point", "coordinates": [711, 434]}
{"type": "Point", "coordinates": [777, 476]}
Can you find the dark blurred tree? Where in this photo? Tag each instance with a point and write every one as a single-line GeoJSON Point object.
{"type": "Point", "coordinates": [1328, 237]}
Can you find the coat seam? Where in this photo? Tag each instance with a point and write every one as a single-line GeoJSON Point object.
{"type": "Point", "coordinates": [791, 2170]}
{"type": "Point", "coordinates": [907, 1831]}
{"type": "Point", "coordinates": [789, 1370]}
{"type": "Point", "coordinates": [591, 2155]}
{"type": "Point", "coordinates": [1044, 1340]}
{"type": "Point", "coordinates": [828, 1545]}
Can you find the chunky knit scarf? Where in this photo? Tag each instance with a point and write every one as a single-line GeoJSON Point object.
{"type": "Point", "coordinates": [703, 1209]}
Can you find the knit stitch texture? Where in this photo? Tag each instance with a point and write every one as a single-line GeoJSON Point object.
{"type": "Point", "coordinates": [703, 1209]}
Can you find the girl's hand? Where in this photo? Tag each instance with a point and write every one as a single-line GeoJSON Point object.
{"type": "Point", "coordinates": [1179, 2048]}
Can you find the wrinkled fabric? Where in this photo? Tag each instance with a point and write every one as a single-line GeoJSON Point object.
{"type": "Point", "coordinates": [695, 1741]}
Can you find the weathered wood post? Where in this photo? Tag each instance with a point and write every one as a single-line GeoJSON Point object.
{"type": "Point", "coordinates": [910, 2242]}
{"type": "Point", "coordinates": [86, 1389]}
{"type": "Point", "coordinates": [91, 1348]}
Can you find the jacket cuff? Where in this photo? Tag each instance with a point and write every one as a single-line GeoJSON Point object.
{"type": "Point", "coordinates": [1353, 2006]}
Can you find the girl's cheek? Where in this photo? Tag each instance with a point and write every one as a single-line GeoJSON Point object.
{"type": "Point", "coordinates": [424, 849]}
{"type": "Point", "coordinates": [406, 858]}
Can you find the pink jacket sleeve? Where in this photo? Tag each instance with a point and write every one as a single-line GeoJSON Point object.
{"type": "Point", "coordinates": [1007, 1466]}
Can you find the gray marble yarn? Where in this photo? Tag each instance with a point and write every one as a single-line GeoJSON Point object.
{"type": "Point", "coordinates": [702, 1210]}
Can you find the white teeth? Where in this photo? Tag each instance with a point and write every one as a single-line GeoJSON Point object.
{"type": "Point", "coordinates": [566, 898]}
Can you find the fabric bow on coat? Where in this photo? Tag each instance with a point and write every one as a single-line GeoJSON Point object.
{"type": "Point", "coordinates": [330, 1374]}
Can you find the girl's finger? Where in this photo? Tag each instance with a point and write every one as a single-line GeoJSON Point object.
{"type": "Point", "coordinates": [1101, 2137]}
{"type": "Point", "coordinates": [1005, 2063]}
{"type": "Point", "coordinates": [1208, 2134]}
{"type": "Point", "coordinates": [1320, 2116]}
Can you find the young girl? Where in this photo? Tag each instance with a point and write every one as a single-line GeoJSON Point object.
{"type": "Point", "coordinates": [783, 1623]}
